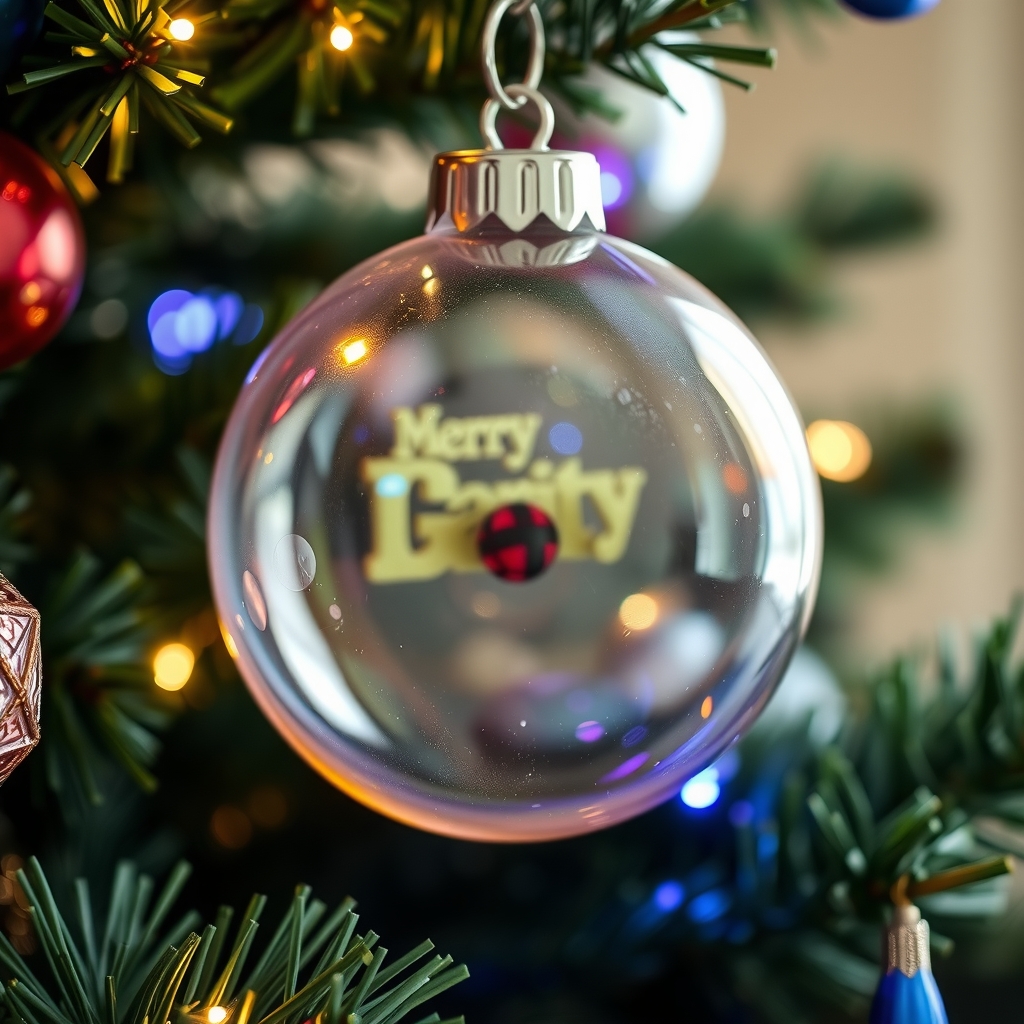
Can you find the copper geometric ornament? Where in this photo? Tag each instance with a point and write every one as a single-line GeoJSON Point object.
{"type": "Point", "coordinates": [20, 676]}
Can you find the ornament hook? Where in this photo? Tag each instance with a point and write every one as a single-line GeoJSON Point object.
{"type": "Point", "coordinates": [535, 66]}
{"type": "Point", "coordinates": [513, 97]}
{"type": "Point", "coordinates": [489, 117]}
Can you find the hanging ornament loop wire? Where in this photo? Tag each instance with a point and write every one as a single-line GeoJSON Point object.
{"type": "Point", "coordinates": [535, 66]}
{"type": "Point", "coordinates": [513, 97]}
{"type": "Point", "coordinates": [489, 116]}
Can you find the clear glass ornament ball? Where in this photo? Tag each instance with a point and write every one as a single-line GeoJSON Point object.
{"type": "Point", "coordinates": [453, 376]}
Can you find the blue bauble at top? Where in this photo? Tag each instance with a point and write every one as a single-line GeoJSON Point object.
{"type": "Point", "coordinates": [891, 8]}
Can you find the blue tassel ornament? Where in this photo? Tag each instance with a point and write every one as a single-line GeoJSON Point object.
{"type": "Point", "coordinates": [891, 9]}
{"type": "Point", "coordinates": [907, 993]}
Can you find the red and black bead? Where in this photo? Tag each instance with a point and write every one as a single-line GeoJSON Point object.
{"type": "Point", "coordinates": [517, 542]}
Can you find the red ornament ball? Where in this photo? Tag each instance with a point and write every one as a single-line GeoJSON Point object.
{"type": "Point", "coordinates": [517, 542]}
{"type": "Point", "coordinates": [42, 252]}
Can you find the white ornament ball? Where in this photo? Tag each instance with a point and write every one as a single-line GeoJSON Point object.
{"type": "Point", "coordinates": [657, 163]}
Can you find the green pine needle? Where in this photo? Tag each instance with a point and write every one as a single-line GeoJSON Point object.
{"type": "Point", "coordinates": [889, 806]}
{"type": "Point", "coordinates": [398, 46]}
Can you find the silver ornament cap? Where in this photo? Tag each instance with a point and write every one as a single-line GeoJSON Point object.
{"type": "Point", "coordinates": [515, 186]}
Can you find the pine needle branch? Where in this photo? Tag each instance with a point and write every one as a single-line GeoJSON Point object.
{"type": "Point", "coordinates": [95, 646]}
{"type": "Point", "coordinates": [810, 843]}
{"type": "Point", "coordinates": [107, 64]}
{"type": "Point", "coordinates": [142, 972]}
{"type": "Point", "coordinates": [130, 54]}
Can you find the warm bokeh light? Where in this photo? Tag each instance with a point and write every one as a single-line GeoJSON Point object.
{"type": "Point", "coordinates": [268, 806]}
{"type": "Point", "coordinates": [341, 37]}
{"type": "Point", "coordinates": [707, 706]}
{"type": "Point", "coordinates": [734, 478]}
{"type": "Point", "coordinates": [172, 666]}
{"type": "Point", "coordinates": [231, 828]}
{"type": "Point", "coordinates": [486, 605]}
{"type": "Point", "coordinates": [183, 30]}
{"type": "Point", "coordinates": [431, 286]}
{"type": "Point", "coordinates": [353, 351]}
{"type": "Point", "coordinates": [840, 451]}
{"type": "Point", "coordinates": [216, 1014]}
{"type": "Point", "coordinates": [638, 611]}
{"type": "Point", "coordinates": [427, 272]}
{"type": "Point", "coordinates": [18, 924]}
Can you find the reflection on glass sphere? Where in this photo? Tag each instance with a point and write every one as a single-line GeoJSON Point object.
{"type": "Point", "coordinates": [452, 377]}
{"type": "Point", "coordinates": [658, 157]}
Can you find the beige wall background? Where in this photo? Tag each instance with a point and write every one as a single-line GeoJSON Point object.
{"type": "Point", "coordinates": [942, 96]}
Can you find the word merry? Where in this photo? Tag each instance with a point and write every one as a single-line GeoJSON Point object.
{"type": "Point", "coordinates": [510, 437]}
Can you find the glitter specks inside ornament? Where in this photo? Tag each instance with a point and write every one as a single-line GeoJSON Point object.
{"type": "Point", "coordinates": [20, 678]}
{"type": "Point", "coordinates": [517, 542]}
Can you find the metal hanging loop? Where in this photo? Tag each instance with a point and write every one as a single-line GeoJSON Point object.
{"type": "Point", "coordinates": [521, 93]}
{"type": "Point", "coordinates": [472, 188]}
{"type": "Point", "coordinates": [535, 66]}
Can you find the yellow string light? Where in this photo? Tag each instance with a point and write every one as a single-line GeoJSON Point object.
{"type": "Point", "coordinates": [216, 1014]}
{"type": "Point", "coordinates": [172, 666]}
{"type": "Point", "coordinates": [182, 29]}
{"type": "Point", "coordinates": [840, 451]}
{"type": "Point", "coordinates": [342, 38]}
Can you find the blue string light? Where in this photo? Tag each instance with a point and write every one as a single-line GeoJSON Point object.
{"type": "Point", "coordinates": [669, 896]}
{"type": "Point", "coordinates": [709, 906]}
{"type": "Point", "coordinates": [703, 790]}
{"type": "Point", "coordinates": [182, 324]}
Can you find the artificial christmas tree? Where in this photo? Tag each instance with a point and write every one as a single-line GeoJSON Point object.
{"type": "Point", "coordinates": [764, 893]}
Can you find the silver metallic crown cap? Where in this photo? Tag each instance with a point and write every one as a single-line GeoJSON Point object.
{"type": "Point", "coordinates": [908, 942]}
{"type": "Point", "coordinates": [516, 186]}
